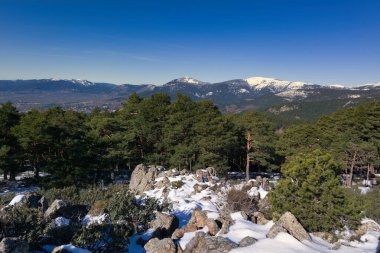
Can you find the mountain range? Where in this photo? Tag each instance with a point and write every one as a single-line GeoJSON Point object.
{"type": "Point", "coordinates": [291, 99]}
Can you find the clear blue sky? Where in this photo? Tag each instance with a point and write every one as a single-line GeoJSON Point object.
{"type": "Point", "coordinates": [321, 41]}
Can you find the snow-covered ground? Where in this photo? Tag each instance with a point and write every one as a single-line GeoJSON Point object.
{"type": "Point", "coordinates": [185, 201]}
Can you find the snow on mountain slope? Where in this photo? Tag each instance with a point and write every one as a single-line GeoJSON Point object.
{"type": "Point", "coordinates": [75, 81]}
{"type": "Point", "coordinates": [275, 85]}
{"type": "Point", "coordinates": [186, 79]}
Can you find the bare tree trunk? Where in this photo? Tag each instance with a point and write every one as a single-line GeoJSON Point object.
{"type": "Point", "coordinates": [248, 138]}
{"type": "Point", "coordinates": [12, 175]}
{"type": "Point", "coordinates": [349, 183]}
{"type": "Point", "coordinates": [5, 174]}
{"type": "Point", "coordinates": [36, 170]}
{"type": "Point", "coordinates": [366, 183]}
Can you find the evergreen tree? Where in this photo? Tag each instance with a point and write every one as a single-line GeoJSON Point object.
{"type": "Point", "coordinates": [312, 192]}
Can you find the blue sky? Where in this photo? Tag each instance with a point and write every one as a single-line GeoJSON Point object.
{"type": "Point", "coordinates": [321, 41]}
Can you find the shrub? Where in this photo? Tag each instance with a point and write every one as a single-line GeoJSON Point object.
{"type": "Point", "coordinates": [123, 206]}
{"type": "Point", "coordinates": [5, 199]}
{"type": "Point", "coordinates": [177, 184]}
{"type": "Point", "coordinates": [27, 223]}
{"type": "Point", "coordinates": [310, 190]}
{"type": "Point", "coordinates": [239, 200]}
{"type": "Point", "coordinates": [372, 204]}
{"type": "Point", "coordinates": [104, 237]}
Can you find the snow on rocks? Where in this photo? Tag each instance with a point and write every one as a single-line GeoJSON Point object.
{"type": "Point", "coordinates": [99, 219]}
{"type": "Point", "coordinates": [17, 199]}
{"type": "Point", "coordinates": [61, 221]}
{"type": "Point", "coordinates": [195, 203]}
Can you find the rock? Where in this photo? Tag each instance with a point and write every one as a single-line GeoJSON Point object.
{"type": "Point", "coordinates": [56, 208]}
{"type": "Point", "coordinates": [265, 184]}
{"type": "Point", "coordinates": [13, 245]}
{"type": "Point", "coordinates": [164, 225]}
{"type": "Point", "coordinates": [165, 182]}
{"type": "Point", "coordinates": [43, 204]}
{"type": "Point", "coordinates": [247, 241]}
{"type": "Point", "coordinates": [60, 249]}
{"type": "Point", "coordinates": [331, 238]}
{"type": "Point", "coordinates": [142, 179]}
{"type": "Point", "coordinates": [199, 187]}
{"type": "Point", "coordinates": [275, 230]}
{"type": "Point", "coordinates": [212, 226]}
{"type": "Point", "coordinates": [290, 224]}
{"type": "Point", "coordinates": [197, 221]}
{"type": "Point", "coordinates": [60, 208]}
{"type": "Point", "coordinates": [368, 226]}
{"type": "Point", "coordinates": [264, 205]}
{"type": "Point", "coordinates": [184, 172]}
{"type": "Point", "coordinates": [226, 223]}
{"type": "Point", "coordinates": [178, 233]}
{"type": "Point", "coordinates": [259, 218]}
{"type": "Point", "coordinates": [259, 181]}
{"type": "Point", "coordinates": [160, 246]}
{"type": "Point", "coordinates": [202, 243]}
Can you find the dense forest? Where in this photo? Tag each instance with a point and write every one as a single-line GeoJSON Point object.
{"type": "Point", "coordinates": [74, 147]}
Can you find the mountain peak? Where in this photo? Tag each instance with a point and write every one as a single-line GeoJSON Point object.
{"type": "Point", "coordinates": [188, 80]}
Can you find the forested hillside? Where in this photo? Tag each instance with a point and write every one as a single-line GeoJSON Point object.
{"type": "Point", "coordinates": [76, 147]}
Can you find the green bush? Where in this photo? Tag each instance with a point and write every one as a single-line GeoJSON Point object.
{"type": "Point", "coordinates": [372, 204]}
{"type": "Point", "coordinates": [177, 184]}
{"type": "Point", "coordinates": [124, 207]}
{"type": "Point", "coordinates": [27, 223]}
{"type": "Point", "coordinates": [104, 238]}
{"type": "Point", "coordinates": [5, 199]}
{"type": "Point", "coordinates": [239, 200]}
{"type": "Point", "coordinates": [311, 191]}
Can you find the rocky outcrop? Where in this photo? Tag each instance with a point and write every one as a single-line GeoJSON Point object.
{"type": "Point", "coordinates": [289, 223]}
{"type": "Point", "coordinates": [13, 245]}
{"type": "Point", "coordinates": [247, 241]}
{"type": "Point", "coordinates": [160, 246]}
{"type": "Point", "coordinates": [202, 243]}
{"type": "Point", "coordinates": [199, 187]}
{"type": "Point", "coordinates": [259, 218]}
{"type": "Point", "coordinates": [197, 221]}
{"type": "Point", "coordinates": [142, 179]}
{"type": "Point", "coordinates": [178, 233]}
{"type": "Point", "coordinates": [60, 208]}
{"type": "Point", "coordinates": [164, 182]}
{"type": "Point", "coordinates": [55, 209]}
{"type": "Point", "coordinates": [212, 226]}
{"type": "Point", "coordinates": [164, 225]}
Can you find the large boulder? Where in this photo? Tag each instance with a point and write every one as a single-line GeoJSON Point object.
{"type": "Point", "coordinates": [160, 246]}
{"type": "Point", "coordinates": [142, 179]}
{"type": "Point", "coordinates": [212, 226]}
{"type": "Point", "coordinates": [247, 241]}
{"type": "Point", "coordinates": [55, 209]}
{"type": "Point", "coordinates": [289, 223]}
{"type": "Point", "coordinates": [259, 218]}
{"type": "Point", "coordinates": [198, 220]}
{"type": "Point", "coordinates": [59, 208]}
{"type": "Point", "coordinates": [203, 243]}
{"type": "Point", "coordinates": [164, 225]}
{"type": "Point", "coordinates": [164, 182]}
{"type": "Point", "coordinates": [13, 245]}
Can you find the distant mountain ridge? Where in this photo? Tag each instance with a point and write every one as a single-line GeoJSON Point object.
{"type": "Point", "coordinates": [261, 93]}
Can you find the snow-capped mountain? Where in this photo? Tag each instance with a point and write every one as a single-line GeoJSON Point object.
{"type": "Point", "coordinates": [185, 80]}
{"type": "Point", "coordinates": [233, 95]}
{"type": "Point", "coordinates": [275, 85]}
